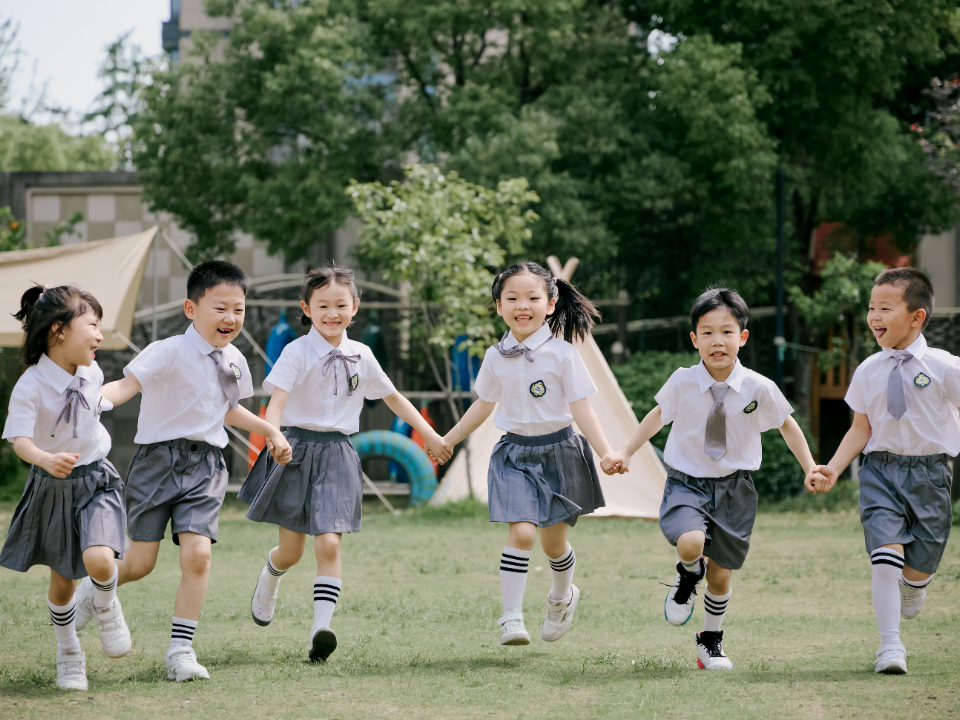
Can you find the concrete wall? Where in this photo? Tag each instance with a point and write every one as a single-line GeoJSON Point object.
{"type": "Point", "coordinates": [939, 257]}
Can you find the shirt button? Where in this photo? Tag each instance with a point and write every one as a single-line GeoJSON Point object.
{"type": "Point", "coordinates": [193, 447]}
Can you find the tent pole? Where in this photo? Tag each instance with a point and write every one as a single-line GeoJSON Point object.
{"type": "Point", "coordinates": [156, 287]}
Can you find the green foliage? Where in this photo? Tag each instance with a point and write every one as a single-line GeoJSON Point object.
{"type": "Point", "coordinates": [13, 234]}
{"type": "Point", "coordinates": [12, 475]}
{"type": "Point", "coordinates": [441, 235]}
{"type": "Point", "coordinates": [27, 147]}
{"type": "Point", "coordinates": [67, 227]}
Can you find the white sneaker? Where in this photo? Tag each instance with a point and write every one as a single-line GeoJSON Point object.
{"type": "Point", "coordinates": [322, 644]}
{"type": "Point", "coordinates": [71, 671]}
{"type": "Point", "coordinates": [891, 660]}
{"type": "Point", "coordinates": [114, 633]}
{"type": "Point", "coordinates": [710, 655]}
{"type": "Point", "coordinates": [262, 605]}
{"type": "Point", "coordinates": [559, 615]}
{"type": "Point", "coordinates": [84, 598]}
{"type": "Point", "coordinates": [182, 664]}
{"type": "Point", "coordinates": [678, 607]}
{"type": "Point", "coordinates": [512, 631]}
{"type": "Point", "coordinates": [911, 600]}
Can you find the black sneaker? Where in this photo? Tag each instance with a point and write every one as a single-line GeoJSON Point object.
{"type": "Point", "coordinates": [322, 644]}
{"type": "Point", "coordinates": [710, 651]}
{"type": "Point", "coordinates": [678, 607]}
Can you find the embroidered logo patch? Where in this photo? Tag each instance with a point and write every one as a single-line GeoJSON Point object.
{"type": "Point", "coordinates": [236, 369]}
{"type": "Point", "coordinates": [921, 380]}
{"type": "Point", "coordinates": [751, 407]}
{"type": "Point", "coordinates": [538, 389]}
{"type": "Point", "coordinates": [354, 381]}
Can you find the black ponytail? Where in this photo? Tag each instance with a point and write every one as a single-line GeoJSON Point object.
{"type": "Point", "coordinates": [45, 308]}
{"type": "Point", "coordinates": [574, 314]}
{"type": "Point", "coordinates": [323, 276]}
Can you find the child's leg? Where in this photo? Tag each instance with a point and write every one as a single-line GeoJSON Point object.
{"type": "Point", "coordinates": [103, 571]}
{"type": "Point", "coordinates": [553, 540]}
{"type": "Point", "coordinates": [327, 584]}
{"type": "Point", "coordinates": [195, 575]}
{"type": "Point", "coordinates": [716, 596]}
{"type": "Point", "coordinates": [887, 562]}
{"type": "Point", "coordinates": [279, 560]}
{"type": "Point", "coordinates": [690, 549]}
{"type": "Point", "coordinates": [138, 561]}
{"type": "Point", "coordinates": [62, 608]}
{"type": "Point", "coordinates": [514, 562]}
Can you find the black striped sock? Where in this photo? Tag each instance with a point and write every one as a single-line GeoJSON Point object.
{"type": "Point", "coordinates": [514, 563]}
{"type": "Point", "coordinates": [886, 556]}
{"type": "Point", "coordinates": [915, 584]}
{"type": "Point", "coordinates": [272, 569]}
{"type": "Point", "coordinates": [64, 626]}
{"type": "Point", "coordinates": [326, 593]}
{"type": "Point", "coordinates": [63, 616]}
{"type": "Point", "coordinates": [513, 577]}
{"type": "Point", "coordinates": [104, 593]}
{"type": "Point", "coordinates": [562, 568]}
{"type": "Point", "coordinates": [182, 631]}
{"type": "Point", "coordinates": [714, 607]}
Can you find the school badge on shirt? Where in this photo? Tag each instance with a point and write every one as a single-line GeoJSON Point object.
{"type": "Point", "coordinates": [236, 370]}
{"type": "Point", "coordinates": [538, 389]}
{"type": "Point", "coordinates": [921, 381]}
{"type": "Point", "coordinates": [751, 407]}
{"type": "Point", "coordinates": [354, 381]}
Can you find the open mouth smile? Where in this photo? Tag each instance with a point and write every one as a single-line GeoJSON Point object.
{"type": "Point", "coordinates": [879, 331]}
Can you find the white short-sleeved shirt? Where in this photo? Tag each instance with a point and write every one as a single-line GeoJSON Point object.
{"type": "Point", "coordinates": [753, 404]}
{"type": "Point", "coordinates": [312, 404]}
{"type": "Point", "coordinates": [534, 397]}
{"type": "Point", "coordinates": [38, 399]}
{"type": "Point", "coordinates": [182, 397]}
{"type": "Point", "coordinates": [931, 387]}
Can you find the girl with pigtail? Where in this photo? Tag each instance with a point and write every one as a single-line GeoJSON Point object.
{"type": "Point", "coordinates": [541, 472]}
{"type": "Point", "coordinates": [71, 517]}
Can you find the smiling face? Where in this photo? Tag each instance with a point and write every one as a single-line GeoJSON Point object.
{"type": "Point", "coordinates": [76, 343]}
{"type": "Point", "coordinates": [524, 303]}
{"type": "Point", "coordinates": [719, 339]}
{"type": "Point", "coordinates": [331, 309]}
{"type": "Point", "coordinates": [890, 320]}
{"type": "Point", "coordinates": [218, 315]}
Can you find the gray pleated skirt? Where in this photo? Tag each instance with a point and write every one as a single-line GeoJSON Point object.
{"type": "Point", "coordinates": [543, 479]}
{"type": "Point", "coordinates": [319, 491]}
{"type": "Point", "coordinates": [58, 518]}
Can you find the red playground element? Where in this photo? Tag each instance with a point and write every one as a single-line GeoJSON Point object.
{"type": "Point", "coordinates": [258, 441]}
{"type": "Point", "coordinates": [418, 438]}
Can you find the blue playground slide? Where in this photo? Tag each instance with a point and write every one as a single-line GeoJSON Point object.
{"type": "Point", "coordinates": [406, 453]}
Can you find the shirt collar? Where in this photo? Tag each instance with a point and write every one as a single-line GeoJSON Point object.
{"type": "Point", "coordinates": [57, 376]}
{"type": "Point", "coordinates": [706, 380]}
{"type": "Point", "coordinates": [196, 339]}
{"type": "Point", "coordinates": [917, 348]}
{"type": "Point", "coordinates": [323, 346]}
{"type": "Point", "coordinates": [532, 342]}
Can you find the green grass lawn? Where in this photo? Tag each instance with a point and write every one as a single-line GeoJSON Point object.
{"type": "Point", "coordinates": [418, 635]}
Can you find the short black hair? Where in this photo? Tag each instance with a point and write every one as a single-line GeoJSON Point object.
{"type": "Point", "coordinates": [720, 297]}
{"type": "Point", "coordinates": [44, 308]}
{"type": "Point", "coordinates": [207, 275]}
{"type": "Point", "coordinates": [916, 288]}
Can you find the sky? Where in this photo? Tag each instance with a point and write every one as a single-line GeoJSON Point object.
{"type": "Point", "coordinates": [68, 39]}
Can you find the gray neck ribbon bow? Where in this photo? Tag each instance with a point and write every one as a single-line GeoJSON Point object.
{"type": "Point", "coordinates": [517, 349]}
{"type": "Point", "coordinates": [896, 401]}
{"type": "Point", "coordinates": [71, 408]}
{"type": "Point", "coordinates": [228, 379]}
{"type": "Point", "coordinates": [715, 442]}
{"type": "Point", "coordinates": [332, 358]}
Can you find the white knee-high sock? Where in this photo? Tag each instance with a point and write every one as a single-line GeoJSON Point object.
{"type": "Point", "coordinates": [104, 593]}
{"type": "Point", "coordinates": [64, 625]}
{"type": "Point", "coordinates": [326, 592]}
{"type": "Point", "coordinates": [562, 570]}
{"type": "Point", "coordinates": [714, 607]}
{"type": "Point", "coordinates": [270, 580]}
{"type": "Point", "coordinates": [182, 630]}
{"type": "Point", "coordinates": [915, 584]}
{"type": "Point", "coordinates": [513, 577]}
{"type": "Point", "coordinates": [887, 570]}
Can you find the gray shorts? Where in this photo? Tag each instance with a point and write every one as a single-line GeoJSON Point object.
{"type": "Point", "coordinates": [723, 508]}
{"type": "Point", "coordinates": [182, 482]}
{"type": "Point", "coordinates": [57, 519]}
{"type": "Point", "coordinates": [905, 500]}
{"type": "Point", "coordinates": [319, 491]}
{"type": "Point", "coordinates": [542, 479]}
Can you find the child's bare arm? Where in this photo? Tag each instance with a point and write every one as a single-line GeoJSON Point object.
{"type": "Point", "coordinates": [589, 425]}
{"type": "Point", "coordinates": [278, 401]}
{"type": "Point", "coordinates": [852, 445]}
{"type": "Point", "coordinates": [59, 465]}
{"type": "Point", "coordinates": [245, 420]}
{"type": "Point", "coordinates": [797, 443]}
{"type": "Point", "coordinates": [474, 417]}
{"type": "Point", "coordinates": [619, 462]}
{"type": "Point", "coordinates": [404, 409]}
{"type": "Point", "coordinates": [119, 391]}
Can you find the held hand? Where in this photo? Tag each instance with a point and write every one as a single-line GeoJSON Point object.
{"type": "Point", "coordinates": [829, 478]}
{"type": "Point", "coordinates": [813, 480]}
{"type": "Point", "coordinates": [61, 464]}
{"type": "Point", "coordinates": [438, 448]}
{"type": "Point", "coordinates": [615, 463]}
{"type": "Point", "coordinates": [279, 448]}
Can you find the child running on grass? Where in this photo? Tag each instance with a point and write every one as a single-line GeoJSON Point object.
{"type": "Point", "coordinates": [71, 516]}
{"type": "Point", "coordinates": [541, 472]}
{"type": "Point", "coordinates": [191, 384]}
{"type": "Point", "coordinates": [718, 409]}
{"type": "Point", "coordinates": [317, 390]}
{"type": "Point", "coordinates": [904, 401]}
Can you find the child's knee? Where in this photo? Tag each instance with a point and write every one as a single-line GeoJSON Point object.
{"type": "Point", "coordinates": [99, 563]}
{"type": "Point", "coordinates": [195, 559]}
{"type": "Point", "coordinates": [523, 535]}
{"type": "Point", "coordinates": [690, 544]}
{"type": "Point", "coordinates": [328, 547]}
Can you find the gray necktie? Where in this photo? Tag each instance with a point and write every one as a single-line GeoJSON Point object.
{"type": "Point", "coordinates": [715, 442]}
{"type": "Point", "coordinates": [517, 349]}
{"type": "Point", "coordinates": [71, 409]}
{"type": "Point", "coordinates": [896, 402]}
{"type": "Point", "coordinates": [332, 357]}
{"type": "Point", "coordinates": [228, 379]}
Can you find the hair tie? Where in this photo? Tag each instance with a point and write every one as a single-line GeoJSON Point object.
{"type": "Point", "coordinates": [44, 290]}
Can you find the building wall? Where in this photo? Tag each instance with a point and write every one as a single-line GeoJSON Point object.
{"type": "Point", "coordinates": [939, 257]}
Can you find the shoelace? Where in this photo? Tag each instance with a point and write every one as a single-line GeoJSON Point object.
{"type": "Point", "coordinates": [713, 645]}
{"type": "Point", "coordinates": [685, 588]}
{"type": "Point", "coordinates": [511, 625]}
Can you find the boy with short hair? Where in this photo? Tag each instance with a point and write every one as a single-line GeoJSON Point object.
{"type": "Point", "coordinates": [191, 384]}
{"type": "Point", "coordinates": [904, 401]}
{"type": "Point", "coordinates": [718, 409]}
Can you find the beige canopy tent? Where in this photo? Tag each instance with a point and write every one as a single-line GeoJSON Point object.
{"type": "Point", "coordinates": [109, 269]}
{"type": "Point", "coordinates": [635, 494]}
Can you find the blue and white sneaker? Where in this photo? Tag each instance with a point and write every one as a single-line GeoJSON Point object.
{"type": "Point", "coordinates": [678, 607]}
